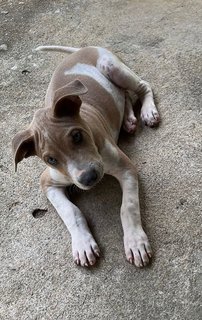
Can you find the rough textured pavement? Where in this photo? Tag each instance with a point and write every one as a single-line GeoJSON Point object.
{"type": "Point", "coordinates": [161, 41]}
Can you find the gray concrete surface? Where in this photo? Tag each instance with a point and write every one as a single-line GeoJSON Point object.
{"type": "Point", "coordinates": [162, 41]}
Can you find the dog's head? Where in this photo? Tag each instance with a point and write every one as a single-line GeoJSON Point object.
{"type": "Point", "coordinates": [62, 139]}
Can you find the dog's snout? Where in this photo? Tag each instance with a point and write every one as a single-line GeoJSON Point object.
{"type": "Point", "coordinates": [89, 178]}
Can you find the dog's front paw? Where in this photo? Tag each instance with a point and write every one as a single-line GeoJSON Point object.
{"type": "Point", "coordinates": [150, 116]}
{"type": "Point", "coordinates": [84, 248]}
{"type": "Point", "coordinates": [137, 248]}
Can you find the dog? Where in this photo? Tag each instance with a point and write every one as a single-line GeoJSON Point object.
{"type": "Point", "coordinates": [88, 100]}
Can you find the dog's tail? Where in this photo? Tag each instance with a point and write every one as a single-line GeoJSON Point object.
{"type": "Point", "coordinates": [57, 48]}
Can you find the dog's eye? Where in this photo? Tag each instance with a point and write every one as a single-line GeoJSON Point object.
{"type": "Point", "coordinates": [77, 136]}
{"type": "Point", "coordinates": [52, 161]}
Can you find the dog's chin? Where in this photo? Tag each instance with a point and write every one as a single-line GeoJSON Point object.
{"type": "Point", "coordinates": [82, 187]}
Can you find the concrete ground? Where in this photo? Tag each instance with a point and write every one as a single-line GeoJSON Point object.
{"type": "Point", "coordinates": [161, 41]}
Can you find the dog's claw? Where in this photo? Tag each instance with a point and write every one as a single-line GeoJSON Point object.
{"type": "Point", "coordinates": [97, 253]}
{"type": "Point", "coordinates": [77, 262]}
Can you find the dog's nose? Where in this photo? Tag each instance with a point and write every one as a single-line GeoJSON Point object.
{"type": "Point", "coordinates": [88, 178]}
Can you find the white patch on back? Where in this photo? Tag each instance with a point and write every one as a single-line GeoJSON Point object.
{"type": "Point", "coordinates": [91, 71]}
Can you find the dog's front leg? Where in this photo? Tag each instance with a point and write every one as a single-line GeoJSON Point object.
{"type": "Point", "coordinates": [136, 244]}
{"type": "Point", "coordinates": [84, 248]}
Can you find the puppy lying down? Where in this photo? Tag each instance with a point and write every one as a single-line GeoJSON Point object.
{"type": "Point", "coordinates": [88, 100]}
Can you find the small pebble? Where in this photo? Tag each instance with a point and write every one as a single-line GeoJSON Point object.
{"type": "Point", "coordinates": [182, 201]}
{"type": "Point", "coordinates": [3, 47]}
{"type": "Point", "coordinates": [14, 67]}
{"type": "Point", "coordinates": [25, 71]}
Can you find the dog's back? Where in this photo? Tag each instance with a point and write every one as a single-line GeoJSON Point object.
{"type": "Point", "coordinates": [109, 99]}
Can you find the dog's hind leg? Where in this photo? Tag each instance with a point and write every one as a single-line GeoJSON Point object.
{"type": "Point", "coordinates": [129, 119]}
{"type": "Point", "coordinates": [122, 76]}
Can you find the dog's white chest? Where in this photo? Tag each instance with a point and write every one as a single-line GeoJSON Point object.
{"type": "Point", "coordinates": [93, 72]}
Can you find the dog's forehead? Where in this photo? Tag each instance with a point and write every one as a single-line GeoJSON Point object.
{"type": "Point", "coordinates": [44, 121]}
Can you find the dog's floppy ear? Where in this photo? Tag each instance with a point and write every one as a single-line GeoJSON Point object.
{"type": "Point", "coordinates": [66, 100]}
{"type": "Point", "coordinates": [23, 146]}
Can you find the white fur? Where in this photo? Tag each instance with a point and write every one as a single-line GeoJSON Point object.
{"type": "Point", "coordinates": [74, 172]}
{"type": "Point", "coordinates": [84, 247]}
{"type": "Point", "coordinates": [58, 177]}
{"type": "Point", "coordinates": [91, 71]}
